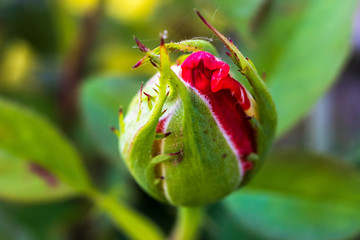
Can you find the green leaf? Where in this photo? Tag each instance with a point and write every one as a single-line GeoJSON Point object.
{"type": "Point", "coordinates": [101, 98]}
{"type": "Point", "coordinates": [300, 196]}
{"type": "Point", "coordinates": [277, 26]}
{"type": "Point", "coordinates": [44, 221]}
{"type": "Point", "coordinates": [239, 12]}
{"type": "Point", "coordinates": [221, 224]}
{"type": "Point", "coordinates": [25, 136]}
{"type": "Point", "coordinates": [303, 46]}
{"type": "Point", "coordinates": [14, 172]}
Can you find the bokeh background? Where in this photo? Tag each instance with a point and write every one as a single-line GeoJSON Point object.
{"type": "Point", "coordinates": [66, 67]}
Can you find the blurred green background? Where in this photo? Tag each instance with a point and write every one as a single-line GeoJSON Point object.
{"type": "Point", "coordinates": [65, 68]}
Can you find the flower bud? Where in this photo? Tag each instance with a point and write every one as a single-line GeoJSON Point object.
{"type": "Point", "coordinates": [193, 134]}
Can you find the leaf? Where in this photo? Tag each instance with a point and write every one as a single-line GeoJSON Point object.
{"type": "Point", "coordinates": [44, 221]}
{"type": "Point", "coordinates": [14, 172]}
{"type": "Point", "coordinates": [11, 230]}
{"type": "Point", "coordinates": [239, 12]}
{"type": "Point", "coordinates": [277, 25]}
{"type": "Point", "coordinates": [221, 224]}
{"type": "Point", "coordinates": [300, 196]}
{"type": "Point", "coordinates": [27, 137]}
{"type": "Point", "coordinates": [303, 47]}
{"type": "Point", "coordinates": [101, 98]}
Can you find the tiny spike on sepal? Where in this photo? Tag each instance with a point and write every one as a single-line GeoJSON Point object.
{"type": "Point", "coordinates": [162, 113]}
{"type": "Point", "coordinates": [179, 155]}
{"type": "Point", "coordinates": [141, 91]}
{"type": "Point", "coordinates": [154, 64]}
{"type": "Point", "coordinates": [263, 75]}
{"type": "Point", "coordinates": [137, 64]}
{"type": "Point", "coordinates": [115, 130]}
{"type": "Point", "coordinates": [121, 120]}
{"type": "Point", "coordinates": [150, 105]}
{"type": "Point", "coordinates": [175, 153]}
{"type": "Point", "coordinates": [149, 96]}
{"type": "Point", "coordinates": [252, 64]}
{"type": "Point", "coordinates": [242, 72]}
{"type": "Point", "coordinates": [162, 40]}
{"type": "Point", "coordinates": [140, 45]}
{"type": "Point", "coordinates": [160, 136]}
{"type": "Point", "coordinates": [150, 100]}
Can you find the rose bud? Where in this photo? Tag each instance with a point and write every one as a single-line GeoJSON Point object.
{"type": "Point", "coordinates": [194, 134]}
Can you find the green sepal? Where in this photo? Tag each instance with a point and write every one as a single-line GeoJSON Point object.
{"type": "Point", "coordinates": [197, 179]}
{"type": "Point", "coordinates": [191, 176]}
{"type": "Point", "coordinates": [154, 162]}
{"type": "Point", "coordinates": [198, 168]}
{"type": "Point", "coordinates": [189, 46]}
{"type": "Point", "coordinates": [138, 153]}
{"type": "Point", "coordinates": [266, 126]}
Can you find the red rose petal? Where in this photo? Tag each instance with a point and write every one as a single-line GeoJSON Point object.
{"type": "Point", "coordinates": [227, 98]}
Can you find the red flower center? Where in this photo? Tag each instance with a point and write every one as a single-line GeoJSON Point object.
{"type": "Point", "coordinates": [227, 98]}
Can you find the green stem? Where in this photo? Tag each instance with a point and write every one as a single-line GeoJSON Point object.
{"type": "Point", "coordinates": [188, 223]}
{"type": "Point", "coordinates": [132, 223]}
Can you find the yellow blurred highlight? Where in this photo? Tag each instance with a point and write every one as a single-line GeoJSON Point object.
{"type": "Point", "coordinates": [16, 64]}
{"type": "Point", "coordinates": [114, 58]}
{"type": "Point", "coordinates": [80, 7]}
{"type": "Point", "coordinates": [122, 10]}
{"type": "Point", "coordinates": [133, 10]}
